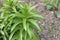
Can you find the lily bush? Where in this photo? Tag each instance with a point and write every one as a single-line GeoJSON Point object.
{"type": "Point", "coordinates": [18, 21]}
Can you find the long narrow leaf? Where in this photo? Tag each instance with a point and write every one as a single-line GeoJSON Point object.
{"type": "Point", "coordinates": [36, 25]}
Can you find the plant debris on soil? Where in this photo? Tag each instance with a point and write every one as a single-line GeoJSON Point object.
{"type": "Point", "coordinates": [51, 24]}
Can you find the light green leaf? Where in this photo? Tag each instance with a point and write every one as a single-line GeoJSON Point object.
{"type": "Point", "coordinates": [24, 24]}
{"type": "Point", "coordinates": [58, 14]}
{"type": "Point", "coordinates": [13, 27]}
{"type": "Point", "coordinates": [12, 33]}
{"type": "Point", "coordinates": [21, 35]}
{"type": "Point", "coordinates": [35, 37]}
{"type": "Point", "coordinates": [33, 7]}
{"type": "Point", "coordinates": [36, 25]}
{"type": "Point", "coordinates": [37, 17]}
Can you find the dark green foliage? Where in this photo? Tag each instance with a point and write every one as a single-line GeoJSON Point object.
{"type": "Point", "coordinates": [52, 4]}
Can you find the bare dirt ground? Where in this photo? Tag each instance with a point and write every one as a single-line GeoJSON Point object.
{"type": "Point", "coordinates": [51, 24]}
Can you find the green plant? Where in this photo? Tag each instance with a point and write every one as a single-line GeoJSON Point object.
{"type": "Point", "coordinates": [58, 14]}
{"type": "Point", "coordinates": [52, 4]}
{"type": "Point", "coordinates": [18, 21]}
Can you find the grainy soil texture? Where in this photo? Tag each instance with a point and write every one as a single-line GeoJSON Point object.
{"type": "Point", "coordinates": [51, 24]}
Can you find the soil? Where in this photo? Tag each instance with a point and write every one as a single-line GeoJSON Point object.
{"type": "Point", "coordinates": [51, 24]}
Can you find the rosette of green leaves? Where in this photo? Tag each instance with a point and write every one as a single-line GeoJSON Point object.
{"type": "Point", "coordinates": [18, 21]}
